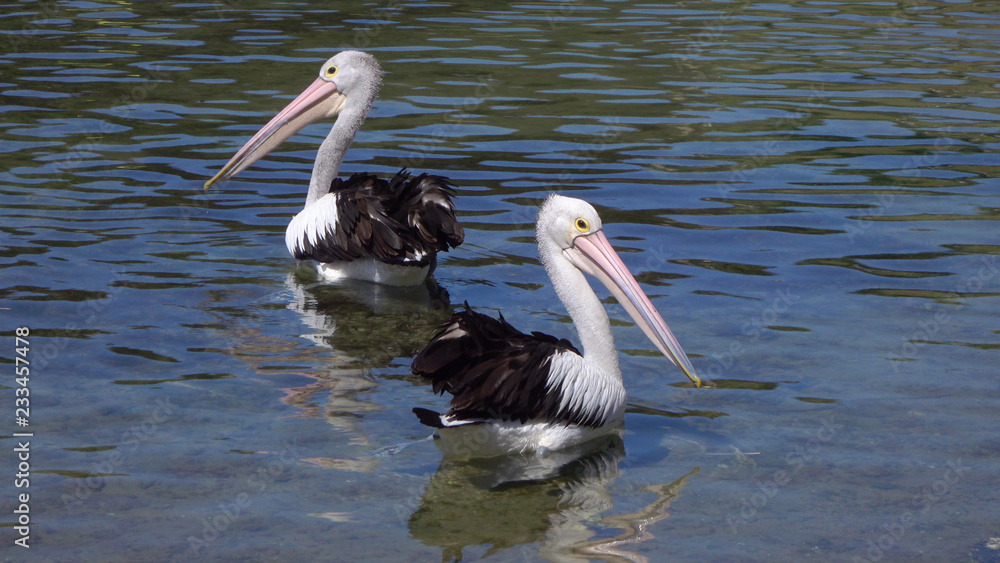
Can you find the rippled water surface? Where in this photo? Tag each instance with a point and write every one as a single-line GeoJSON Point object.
{"type": "Point", "coordinates": [807, 191]}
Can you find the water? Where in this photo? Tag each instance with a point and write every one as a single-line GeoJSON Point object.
{"type": "Point", "coordinates": [806, 190]}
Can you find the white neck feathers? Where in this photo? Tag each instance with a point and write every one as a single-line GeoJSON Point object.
{"type": "Point", "coordinates": [584, 308]}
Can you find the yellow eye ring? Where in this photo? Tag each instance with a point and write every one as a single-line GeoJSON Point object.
{"type": "Point", "coordinates": [330, 71]}
{"type": "Point", "coordinates": [582, 225]}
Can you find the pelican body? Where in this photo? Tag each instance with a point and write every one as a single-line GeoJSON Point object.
{"type": "Point", "coordinates": [514, 392]}
{"type": "Point", "coordinates": [384, 231]}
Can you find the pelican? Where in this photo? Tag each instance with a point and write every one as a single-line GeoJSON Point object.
{"type": "Point", "coordinates": [515, 393]}
{"type": "Point", "coordinates": [363, 228]}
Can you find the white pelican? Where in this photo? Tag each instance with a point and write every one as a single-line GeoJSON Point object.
{"type": "Point", "coordinates": [363, 228]}
{"type": "Point", "coordinates": [514, 392]}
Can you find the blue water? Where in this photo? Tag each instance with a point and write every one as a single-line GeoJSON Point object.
{"type": "Point", "coordinates": [807, 191]}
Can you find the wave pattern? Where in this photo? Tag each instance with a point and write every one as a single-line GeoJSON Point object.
{"type": "Point", "coordinates": [807, 190]}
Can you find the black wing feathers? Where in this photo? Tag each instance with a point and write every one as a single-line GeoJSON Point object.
{"type": "Point", "coordinates": [428, 417]}
{"type": "Point", "coordinates": [494, 371]}
{"type": "Point", "coordinates": [403, 220]}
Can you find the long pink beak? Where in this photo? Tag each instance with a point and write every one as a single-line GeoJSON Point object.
{"type": "Point", "coordinates": [321, 99]}
{"type": "Point", "coordinates": [597, 258]}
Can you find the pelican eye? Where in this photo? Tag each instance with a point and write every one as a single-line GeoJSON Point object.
{"type": "Point", "coordinates": [582, 225]}
{"type": "Point", "coordinates": [330, 71]}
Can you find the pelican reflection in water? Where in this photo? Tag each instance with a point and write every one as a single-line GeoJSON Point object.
{"type": "Point", "coordinates": [508, 501]}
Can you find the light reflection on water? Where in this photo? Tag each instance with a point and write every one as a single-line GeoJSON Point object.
{"type": "Point", "coordinates": [806, 191]}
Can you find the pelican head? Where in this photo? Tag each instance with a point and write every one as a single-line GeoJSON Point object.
{"type": "Point", "coordinates": [348, 85]}
{"type": "Point", "coordinates": [573, 226]}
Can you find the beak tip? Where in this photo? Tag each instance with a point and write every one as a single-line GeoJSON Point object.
{"type": "Point", "coordinates": [688, 370]}
{"type": "Point", "coordinates": [215, 178]}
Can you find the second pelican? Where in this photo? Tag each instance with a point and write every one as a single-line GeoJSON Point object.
{"type": "Point", "coordinates": [513, 392]}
